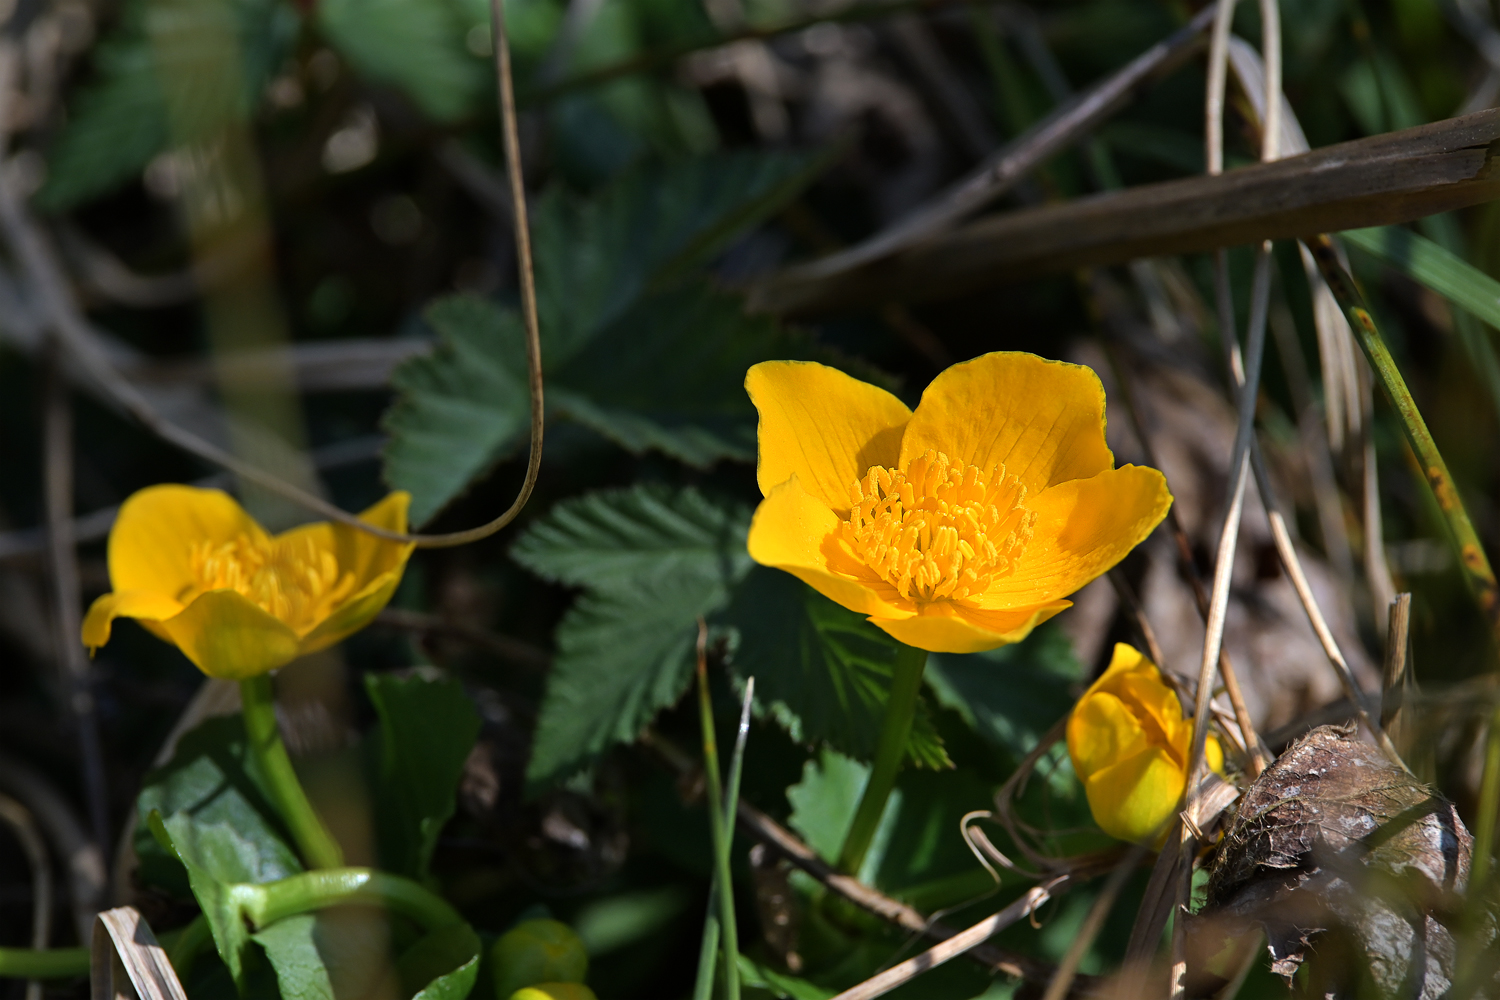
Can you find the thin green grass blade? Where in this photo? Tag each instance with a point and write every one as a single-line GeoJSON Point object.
{"type": "Point", "coordinates": [1449, 275]}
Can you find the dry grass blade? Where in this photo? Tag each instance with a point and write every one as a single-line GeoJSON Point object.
{"type": "Point", "coordinates": [1068, 967]}
{"type": "Point", "coordinates": [997, 174]}
{"type": "Point", "coordinates": [1397, 673]}
{"type": "Point", "coordinates": [959, 943]}
{"type": "Point", "coordinates": [1395, 177]}
{"type": "Point", "coordinates": [123, 942]}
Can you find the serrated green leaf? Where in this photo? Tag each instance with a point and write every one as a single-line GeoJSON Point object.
{"type": "Point", "coordinates": [459, 409]}
{"type": "Point", "coordinates": [822, 671]}
{"type": "Point", "coordinates": [667, 376]}
{"type": "Point", "coordinates": [615, 539]}
{"type": "Point", "coordinates": [1011, 695]}
{"type": "Point", "coordinates": [427, 729]}
{"type": "Point", "coordinates": [623, 655]}
{"type": "Point", "coordinates": [596, 257]}
{"type": "Point", "coordinates": [416, 45]}
{"type": "Point", "coordinates": [599, 261]}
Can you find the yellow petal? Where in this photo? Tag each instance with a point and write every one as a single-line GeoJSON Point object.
{"type": "Point", "coordinates": [226, 636]}
{"type": "Point", "coordinates": [1133, 799]}
{"type": "Point", "coordinates": [1213, 752]}
{"type": "Point", "coordinates": [353, 615]}
{"type": "Point", "coordinates": [1102, 731]}
{"type": "Point", "coordinates": [1083, 528]}
{"type": "Point", "coordinates": [795, 531]}
{"type": "Point", "coordinates": [823, 426]}
{"type": "Point", "coordinates": [142, 604]}
{"type": "Point", "coordinates": [1043, 419]}
{"type": "Point", "coordinates": [151, 543]}
{"type": "Point", "coordinates": [951, 628]}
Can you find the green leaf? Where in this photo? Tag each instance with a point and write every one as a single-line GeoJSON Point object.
{"type": "Point", "coordinates": [597, 257]}
{"type": "Point", "coordinates": [822, 671]}
{"type": "Point", "coordinates": [653, 562]}
{"type": "Point", "coordinates": [441, 966]}
{"type": "Point", "coordinates": [427, 729]}
{"type": "Point", "coordinates": [460, 408]}
{"type": "Point", "coordinates": [343, 954]}
{"type": "Point", "coordinates": [416, 45]}
{"type": "Point", "coordinates": [622, 656]}
{"type": "Point", "coordinates": [755, 976]}
{"type": "Point", "coordinates": [212, 785]}
{"type": "Point", "coordinates": [121, 120]}
{"type": "Point", "coordinates": [614, 539]}
{"type": "Point", "coordinates": [668, 376]}
{"type": "Point", "coordinates": [664, 368]}
{"type": "Point", "coordinates": [214, 857]}
{"type": "Point", "coordinates": [1012, 695]}
{"type": "Point", "coordinates": [823, 806]}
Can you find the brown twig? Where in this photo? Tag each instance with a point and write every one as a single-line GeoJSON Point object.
{"type": "Point", "coordinates": [505, 647]}
{"type": "Point", "coordinates": [786, 844]}
{"type": "Point", "coordinates": [1092, 924]}
{"type": "Point", "coordinates": [1397, 665]}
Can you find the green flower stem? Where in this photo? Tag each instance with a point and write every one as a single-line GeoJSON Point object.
{"type": "Point", "coordinates": [1477, 571]}
{"type": "Point", "coordinates": [269, 902]}
{"type": "Point", "coordinates": [55, 963]}
{"type": "Point", "coordinates": [185, 945]}
{"type": "Point", "coordinates": [895, 731]}
{"type": "Point", "coordinates": [723, 884]}
{"type": "Point", "coordinates": [314, 842]}
{"type": "Point", "coordinates": [1489, 803]}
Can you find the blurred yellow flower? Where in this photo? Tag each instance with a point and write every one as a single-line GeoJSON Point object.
{"type": "Point", "coordinates": [196, 570]}
{"type": "Point", "coordinates": [1130, 746]}
{"type": "Point", "coordinates": [956, 528]}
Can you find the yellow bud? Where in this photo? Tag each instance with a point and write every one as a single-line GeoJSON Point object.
{"type": "Point", "coordinates": [539, 951]}
{"type": "Point", "coordinates": [1130, 744]}
{"type": "Point", "coordinates": [554, 991]}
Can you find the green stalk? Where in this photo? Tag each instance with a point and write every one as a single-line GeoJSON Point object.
{"type": "Point", "coordinates": [1477, 572]}
{"type": "Point", "coordinates": [314, 842]}
{"type": "Point", "coordinates": [54, 963]}
{"type": "Point", "coordinates": [269, 902]}
{"type": "Point", "coordinates": [895, 731]}
{"type": "Point", "coordinates": [723, 886]}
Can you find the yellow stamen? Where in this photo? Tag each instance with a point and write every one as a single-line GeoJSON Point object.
{"type": "Point", "coordinates": [293, 579]}
{"type": "Point", "coordinates": [939, 531]}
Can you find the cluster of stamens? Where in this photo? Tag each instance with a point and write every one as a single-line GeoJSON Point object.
{"type": "Point", "coordinates": [939, 531]}
{"type": "Point", "coordinates": [293, 579]}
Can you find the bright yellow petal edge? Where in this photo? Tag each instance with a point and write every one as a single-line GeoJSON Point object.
{"type": "Point", "coordinates": [166, 535]}
{"type": "Point", "coordinates": [821, 432]}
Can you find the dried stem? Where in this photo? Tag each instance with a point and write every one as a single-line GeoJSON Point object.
{"type": "Point", "coordinates": [65, 319]}
{"type": "Point", "coordinates": [1084, 938]}
{"type": "Point", "coordinates": [959, 943]}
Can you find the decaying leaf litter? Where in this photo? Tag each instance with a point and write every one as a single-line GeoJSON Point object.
{"type": "Point", "coordinates": [277, 238]}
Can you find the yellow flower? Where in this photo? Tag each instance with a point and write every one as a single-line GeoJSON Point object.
{"type": "Point", "coordinates": [196, 570]}
{"type": "Point", "coordinates": [1130, 746]}
{"type": "Point", "coordinates": [956, 528]}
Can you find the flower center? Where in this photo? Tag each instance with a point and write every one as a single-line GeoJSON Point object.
{"type": "Point", "coordinates": [293, 579]}
{"type": "Point", "coordinates": [939, 531]}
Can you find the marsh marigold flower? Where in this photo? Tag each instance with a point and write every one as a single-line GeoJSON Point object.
{"type": "Point", "coordinates": [196, 570]}
{"type": "Point", "coordinates": [958, 527]}
{"type": "Point", "coordinates": [1130, 745]}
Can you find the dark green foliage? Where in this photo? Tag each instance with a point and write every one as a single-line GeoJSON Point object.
{"type": "Point", "coordinates": [427, 728]}
{"type": "Point", "coordinates": [648, 365]}
{"type": "Point", "coordinates": [821, 670]}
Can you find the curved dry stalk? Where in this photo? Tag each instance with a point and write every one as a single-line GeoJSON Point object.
{"type": "Point", "coordinates": [1084, 938]}
{"type": "Point", "coordinates": [64, 316]}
